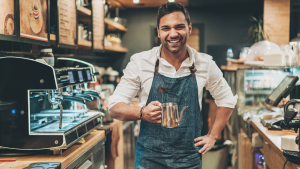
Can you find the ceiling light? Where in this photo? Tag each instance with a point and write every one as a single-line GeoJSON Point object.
{"type": "Point", "coordinates": [136, 1]}
{"type": "Point", "coordinates": [171, 0]}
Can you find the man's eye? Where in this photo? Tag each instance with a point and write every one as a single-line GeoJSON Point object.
{"type": "Point", "coordinates": [180, 27]}
{"type": "Point", "coordinates": [165, 29]}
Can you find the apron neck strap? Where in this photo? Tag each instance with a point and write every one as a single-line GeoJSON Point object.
{"type": "Point", "coordinates": [156, 68]}
{"type": "Point", "coordinates": [192, 69]}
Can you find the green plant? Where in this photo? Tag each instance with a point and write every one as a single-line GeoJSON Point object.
{"type": "Point", "coordinates": [256, 32]}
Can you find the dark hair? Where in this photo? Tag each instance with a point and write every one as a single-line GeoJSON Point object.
{"type": "Point", "coordinates": [171, 7]}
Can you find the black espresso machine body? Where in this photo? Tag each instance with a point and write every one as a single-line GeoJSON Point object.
{"type": "Point", "coordinates": [42, 107]}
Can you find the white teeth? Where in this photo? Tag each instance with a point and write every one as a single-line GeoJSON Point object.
{"type": "Point", "coordinates": [174, 41]}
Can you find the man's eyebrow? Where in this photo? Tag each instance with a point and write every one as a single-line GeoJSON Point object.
{"type": "Point", "coordinates": [181, 24]}
{"type": "Point", "coordinates": [166, 26]}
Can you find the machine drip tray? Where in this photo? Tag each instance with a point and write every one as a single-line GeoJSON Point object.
{"type": "Point", "coordinates": [15, 153]}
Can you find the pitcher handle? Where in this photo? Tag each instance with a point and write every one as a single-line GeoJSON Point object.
{"type": "Point", "coordinates": [185, 107]}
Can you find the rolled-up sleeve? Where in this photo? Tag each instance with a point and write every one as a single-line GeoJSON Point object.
{"type": "Point", "coordinates": [219, 88]}
{"type": "Point", "coordinates": [129, 84]}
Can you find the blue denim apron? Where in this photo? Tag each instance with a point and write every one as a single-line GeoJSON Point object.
{"type": "Point", "coordinates": [171, 148]}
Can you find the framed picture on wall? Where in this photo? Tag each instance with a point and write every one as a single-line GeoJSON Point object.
{"type": "Point", "coordinates": [8, 24]}
{"type": "Point", "coordinates": [98, 25]}
{"type": "Point", "coordinates": [34, 21]}
{"type": "Point", "coordinates": [66, 35]}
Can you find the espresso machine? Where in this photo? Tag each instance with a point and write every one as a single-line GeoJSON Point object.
{"type": "Point", "coordinates": [43, 107]}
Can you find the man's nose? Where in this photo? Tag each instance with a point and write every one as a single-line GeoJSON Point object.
{"type": "Point", "coordinates": [173, 33]}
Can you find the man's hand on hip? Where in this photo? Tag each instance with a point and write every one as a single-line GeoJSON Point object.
{"type": "Point", "coordinates": [152, 112]}
{"type": "Point", "coordinates": [207, 141]}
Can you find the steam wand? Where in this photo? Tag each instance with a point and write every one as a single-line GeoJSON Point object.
{"type": "Point", "coordinates": [60, 106]}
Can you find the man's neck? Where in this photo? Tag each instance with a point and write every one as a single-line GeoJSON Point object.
{"type": "Point", "coordinates": [174, 59]}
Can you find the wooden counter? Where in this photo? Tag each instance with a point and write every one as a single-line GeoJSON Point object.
{"type": "Point", "coordinates": [78, 149]}
{"type": "Point", "coordinates": [272, 146]}
{"type": "Point", "coordinates": [65, 158]}
{"type": "Point", "coordinates": [235, 67]}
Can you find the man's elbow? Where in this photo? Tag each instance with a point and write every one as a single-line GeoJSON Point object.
{"type": "Point", "coordinates": [115, 113]}
{"type": "Point", "coordinates": [112, 113]}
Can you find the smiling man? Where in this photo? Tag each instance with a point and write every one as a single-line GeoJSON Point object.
{"type": "Point", "coordinates": [177, 73]}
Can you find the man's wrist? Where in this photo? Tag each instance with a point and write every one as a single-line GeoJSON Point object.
{"type": "Point", "coordinates": [141, 113]}
{"type": "Point", "coordinates": [214, 136]}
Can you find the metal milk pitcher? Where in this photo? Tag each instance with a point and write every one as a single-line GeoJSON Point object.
{"type": "Point", "coordinates": [170, 117]}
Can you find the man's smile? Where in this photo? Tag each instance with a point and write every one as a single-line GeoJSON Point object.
{"type": "Point", "coordinates": [174, 42]}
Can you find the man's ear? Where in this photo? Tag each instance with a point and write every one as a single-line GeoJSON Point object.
{"type": "Point", "coordinates": [158, 32]}
{"type": "Point", "coordinates": [190, 28]}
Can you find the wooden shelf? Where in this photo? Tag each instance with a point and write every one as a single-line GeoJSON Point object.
{"type": "Point", "coordinates": [115, 3]}
{"type": "Point", "coordinates": [114, 26]}
{"type": "Point", "coordinates": [81, 43]}
{"type": "Point", "coordinates": [82, 11]}
{"type": "Point", "coordinates": [84, 44]}
{"type": "Point", "coordinates": [52, 37]}
{"type": "Point", "coordinates": [115, 49]}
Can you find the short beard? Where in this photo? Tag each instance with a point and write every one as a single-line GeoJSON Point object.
{"type": "Point", "coordinates": [174, 51]}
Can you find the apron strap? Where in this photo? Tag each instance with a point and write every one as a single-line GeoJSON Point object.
{"type": "Point", "coordinates": [156, 68]}
{"type": "Point", "coordinates": [192, 69]}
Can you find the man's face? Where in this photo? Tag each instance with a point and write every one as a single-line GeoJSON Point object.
{"type": "Point", "coordinates": [174, 31]}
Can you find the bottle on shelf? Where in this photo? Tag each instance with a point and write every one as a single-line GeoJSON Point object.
{"type": "Point", "coordinates": [229, 53]}
{"type": "Point", "coordinates": [229, 56]}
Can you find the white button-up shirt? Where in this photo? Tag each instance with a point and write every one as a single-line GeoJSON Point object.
{"type": "Point", "coordinates": [139, 73]}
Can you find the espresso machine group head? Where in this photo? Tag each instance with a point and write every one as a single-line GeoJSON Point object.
{"type": "Point", "coordinates": [42, 107]}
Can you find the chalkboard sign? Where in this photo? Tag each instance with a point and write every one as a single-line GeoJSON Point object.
{"type": "Point", "coordinates": [98, 25]}
{"type": "Point", "coordinates": [67, 24]}
{"type": "Point", "coordinates": [34, 18]}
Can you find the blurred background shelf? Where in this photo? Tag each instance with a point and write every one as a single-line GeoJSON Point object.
{"type": "Point", "coordinates": [259, 92]}
{"type": "Point", "coordinates": [114, 26]}
{"type": "Point", "coordinates": [84, 44]}
{"type": "Point", "coordinates": [52, 37]}
{"type": "Point", "coordinates": [115, 49]}
{"type": "Point", "coordinates": [82, 11]}
{"type": "Point", "coordinates": [81, 43]}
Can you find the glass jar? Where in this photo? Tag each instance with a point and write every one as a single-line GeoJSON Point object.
{"type": "Point", "coordinates": [48, 56]}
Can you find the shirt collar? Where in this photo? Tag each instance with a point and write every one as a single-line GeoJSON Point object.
{"type": "Point", "coordinates": [188, 62]}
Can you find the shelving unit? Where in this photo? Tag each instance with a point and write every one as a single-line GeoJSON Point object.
{"type": "Point", "coordinates": [114, 26]}
{"type": "Point", "coordinates": [81, 43]}
{"type": "Point", "coordinates": [115, 49]}
{"type": "Point", "coordinates": [84, 15]}
{"type": "Point", "coordinates": [84, 44]}
{"type": "Point", "coordinates": [82, 11]}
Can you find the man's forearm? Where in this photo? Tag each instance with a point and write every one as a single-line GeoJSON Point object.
{"type": "Point", "coordinates": [125, 112]}
{"type": "Point", "coordinates": [222, 117]}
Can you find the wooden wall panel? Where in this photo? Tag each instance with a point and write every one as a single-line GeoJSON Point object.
{"type": "Point", "coordinates": [277, 20]}
{"type": "Point", "coordinates": [193, 40]}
